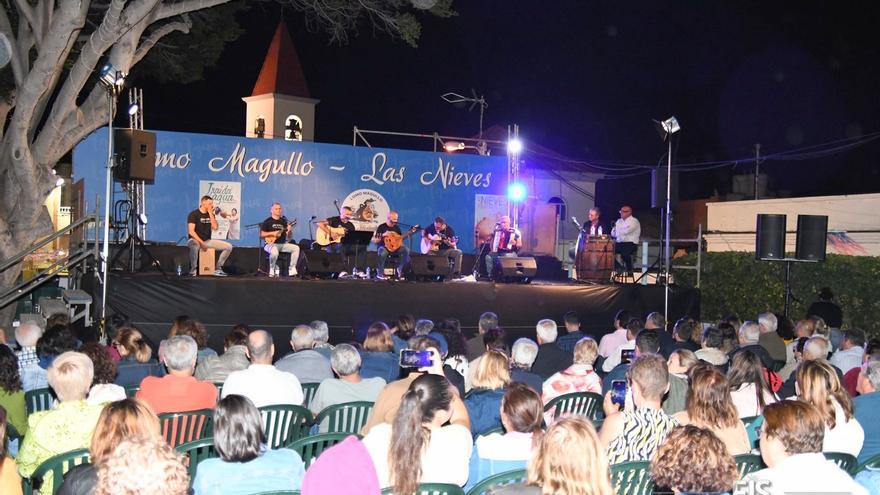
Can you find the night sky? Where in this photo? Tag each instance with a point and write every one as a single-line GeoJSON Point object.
{"type": "Point", "coordinates": [585, 78]}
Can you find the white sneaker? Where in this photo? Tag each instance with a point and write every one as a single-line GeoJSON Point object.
{"type": "Point", "coordinates": [220, 273]}
{"type": "Point", "coordinates": [291, 272]}
{"type": "Point", "coordinates": [193, 273]}
{"type": "Point", "coordinates": [273, 271]}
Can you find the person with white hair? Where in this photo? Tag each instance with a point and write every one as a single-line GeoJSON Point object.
{"type": "Point", "coordinates": [522, 356]}
{"type": "Point", "coordinates": [349, 387]}
{"type": "Point", "coordinates": [749, 335]}
{"type": "Point", "coordinates": [321, 334]}
{"type": "Point", "coordinates": [867, 407]}
{"type": "Point", "coordinates": [550, 358]}
{"type": "Point", "coordinates": [770, 340]}
{"type": "Point", "coordinates": [305, 362]}
{"type": "Point", "coordinates": [178, 390]}
{"type": "Point", "coordinates": [32, 375]}
{"type": "Point", "coordinates": [816, 348]}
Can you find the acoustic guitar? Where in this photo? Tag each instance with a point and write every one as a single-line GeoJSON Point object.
{"type": "Point", "coordinates": [393, 240]}
{"type": "Point", "coordinates": [334, 237]}
{"type": "Point", "coordinates": [430, 245]}
{"type": "Point", "coordinates": [270, 239]}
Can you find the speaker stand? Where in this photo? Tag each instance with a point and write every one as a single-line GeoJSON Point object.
{"type": "Point", "coordinates": [135, 244]}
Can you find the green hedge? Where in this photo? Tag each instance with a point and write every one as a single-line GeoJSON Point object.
{"type": "Point", "coordinates": [735, 283]}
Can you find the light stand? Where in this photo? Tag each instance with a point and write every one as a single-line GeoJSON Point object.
{"type": "Point", "coordinates": [666, 129]}
{"type": "Point", "coordinates": [112, 80]}
{"type": "Point", "coordinates": [475, 100]}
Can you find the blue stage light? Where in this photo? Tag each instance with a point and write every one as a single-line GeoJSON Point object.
{"type": "Point", "coordinates": [516, 192]}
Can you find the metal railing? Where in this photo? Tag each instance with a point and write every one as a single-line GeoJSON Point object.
{"type": "Point", "coordinates": [60, 265]}
{"type": "Point", "coordinates": [645, 265]}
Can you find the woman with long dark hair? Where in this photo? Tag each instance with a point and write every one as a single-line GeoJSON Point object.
{"type": "Point", "coordinates": [245, 464]}
{"type": "Point", "coordinates": [709, 406]}
{"type": "Point", "coordinates": [417, 447]}
{"type": "Point", "coordinates": [748, 387]}
{"type": "Point", "coordinates": [456, 356]}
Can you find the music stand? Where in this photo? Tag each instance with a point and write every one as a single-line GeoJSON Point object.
{"type": "Point", "coordinates": [360, 239]}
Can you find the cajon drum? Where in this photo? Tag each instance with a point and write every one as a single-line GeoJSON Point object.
{"type": "Point", "coordinates": [207, 263]}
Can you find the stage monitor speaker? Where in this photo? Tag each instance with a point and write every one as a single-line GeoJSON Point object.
{"type": "Point", "coordinates": [812, 235]}
{"type": "Point", "coordinates": [517, 269]}
{"type": "Point", "coordinates": [135, 155]}
{"type": "Point", "coordinates": [770, 237]}
{"type": "Point", "coordinates": [323, 264]}
{"type": "Point", "coordinates": [658, 188]}
{"type": "Point", "coordinates": [426, 267]}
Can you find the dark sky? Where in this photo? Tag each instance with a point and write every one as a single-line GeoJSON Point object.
{"type": "Point", "coordinates": [585, 78]}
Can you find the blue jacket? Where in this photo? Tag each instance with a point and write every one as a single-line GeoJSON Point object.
{"type": "Point", "coordinates": [484, 408]}
{"type": "Point", "coordinates": [383, 365]}
{"type": "Point", "coordinates": [130, 372]}
{"type": "Point", "coordinates": [274, 470]}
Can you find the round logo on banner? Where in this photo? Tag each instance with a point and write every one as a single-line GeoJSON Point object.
{"type": "Point", "coordinates": [368, 207]}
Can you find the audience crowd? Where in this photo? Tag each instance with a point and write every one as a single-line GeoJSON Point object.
{"type": "Point", "coordinates": [688, 399]}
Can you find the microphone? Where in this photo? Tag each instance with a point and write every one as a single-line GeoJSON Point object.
{"type": "Point", "coordinates": [313, 217]}
{"type": "Point", "coordinates": [336, 203]}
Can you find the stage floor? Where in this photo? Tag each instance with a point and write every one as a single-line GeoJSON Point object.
{"type": "Point", "coordinates": [349, 306]}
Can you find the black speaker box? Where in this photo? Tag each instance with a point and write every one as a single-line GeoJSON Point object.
{"type": "Point", "coordinates": [658, 188]}
{"type": "Point", "coordinates": [812, 235]}
{"type": "Point", "coordinates": [323, 264]}
{"type": "Point", "coordinates": [426, 267]}
{"type": "Point", "coordinates": [770, 237]}
{"type": "Point", "coordinates": [516, 269]}
{"type": "Point", "coordinates": [135, 155]}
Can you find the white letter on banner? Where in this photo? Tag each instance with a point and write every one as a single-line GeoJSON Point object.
{"type": "Point", "coordinates": [372, 176]}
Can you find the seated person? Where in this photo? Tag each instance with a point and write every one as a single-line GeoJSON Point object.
{"type": "Point", "coordinates": [143, 466]}
{"type": "Point", "coordinates": [522, 355]}
{"type": "Point", "coordinates": [579, 377]}
{"type": "Point", "coordinates": [819, 385]}
{"type": "Point", "coordinates": [262, 383]}
{"type": "Point", "coordinates": [378, 359]}
{"type": "Point", "coordinates": [216, 369]}
{"type": "Point", "coordinates": [349, 387]}
{"type": "Point", "coordinates": [137, 360]}
{"type": "Point", "coordinates": [483, 402]}
{"type": "Point", "coordinates": [694, 460]}
{"type": "Point", "coordinates": [709, 406]}
{"type": "Point", "coordinates": [178, 391]}
{"type": "Point", "coordinates": [307, 364]}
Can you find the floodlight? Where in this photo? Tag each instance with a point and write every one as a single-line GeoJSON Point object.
{"type": "Point", "coordinates": [667, 127]}
{"type": "Point", "coordinates": [111, 77]}
{"type": "Point", "coordinates": [514, 146]}
{"type": "Point", "coordinates": [451, 146]}
{"type": "Point", "coordinates": [516, 192]}
{"type": "Point", "coordinates": [133, 108]}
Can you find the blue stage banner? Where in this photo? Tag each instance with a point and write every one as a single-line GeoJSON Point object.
{"type": "Point", "coordinates": [245, 176]}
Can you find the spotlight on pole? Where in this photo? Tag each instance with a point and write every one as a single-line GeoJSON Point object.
{"type": "Point", "coordinates": [111, 77]}
{"type": "Point", "coordinates": [516, 192]}
{"type": "Point", "coordinates": [452, 146]}
{"type": "Point", "coordinates": [514, 146]}
{"type": "Point", "coordinates": [133, 108]}
{"type": "Point", "coordinates": [667, 127]}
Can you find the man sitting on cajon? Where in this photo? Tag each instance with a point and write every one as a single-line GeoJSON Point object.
{"type": "Point", "coordinates": [200, 223]}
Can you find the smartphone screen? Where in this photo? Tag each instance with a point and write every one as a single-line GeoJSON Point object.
{"type": "Point", "coordinates": [627, 355]}
{"type": "Point", "coordinates": [411, 358]}
{"type": "Point", "coordinates": [618, 392]}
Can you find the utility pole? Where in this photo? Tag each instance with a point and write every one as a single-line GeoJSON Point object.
{"type": "Point", "coordinates": [757, 166]}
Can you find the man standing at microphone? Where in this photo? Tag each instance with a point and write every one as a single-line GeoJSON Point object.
{"type": "Point", "coordinates": [626, 233]}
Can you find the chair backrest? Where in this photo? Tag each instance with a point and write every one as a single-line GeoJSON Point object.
{"type": "Point", "coordinates": [182, 427]}
{"type": "Point", "coordinates": [752, 424]}
{"type": "Point", "coordinates": [582, 403]}
{"type": "Point", "coordinates": [309, 390]}
{"type": "Point", "coordinates": [505, 478]}
{"type": "Point", "coordinates": [309, 448]}
{"type": "Point", "coordinates": [40, 399]}
{"type": "Point", "coordinates": [219, 386]}
{"type": "Point", "coordinates": [131, 390]}
{"type": "Point", "coordinates": [52, 470]}
{"type": "Point", "coordinates": [871, 463]}
{"type": "Point", "coordinates": [348, 417]}
{"type": "Point", "coordinates": [497, 429]}
{"type": "Point", "coordinates": [847, 462]}
{"type": "Point", "coordinates": [431, 489]}
{"type": "Point", "coordinates": [285, 424]}
{"type": "Point", "coordinates": [197, 451]}
{"type": "Point", "coordinates": [632, 478]}
{"type": "Point", "coordinates": [748, 463]}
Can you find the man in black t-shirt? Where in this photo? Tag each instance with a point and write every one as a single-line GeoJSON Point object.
{"type": "Point", "coordinates": [343, 220]}
{"type": "Point", "coordinates": [382, 230]}
{"type": "Point", "coordinates": [440, 239]}
{"type": "Point", "coordinates": [199, 223]}
{"type": "Point", "coordinates": [276, 231]}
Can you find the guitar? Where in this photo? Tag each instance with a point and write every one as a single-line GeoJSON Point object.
{"type": "Point", "coordinates": [430, 244]}
{"type": "Point", "coordinates": [333, 237]}
{"type": "Point", "coordinates": [270, 239]}
{"type": "Point", "coordinates": [393, 240]}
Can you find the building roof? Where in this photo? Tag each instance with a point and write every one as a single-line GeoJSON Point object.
{"type": "Point", "coordinates": [281, 72]}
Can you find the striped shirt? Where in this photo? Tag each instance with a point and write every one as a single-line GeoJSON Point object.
{"type": "Point", "coordinates": [643, 431]}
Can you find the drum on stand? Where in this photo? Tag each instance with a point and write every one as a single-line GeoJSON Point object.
{"type": "Point", "coordinates": [594, 261]}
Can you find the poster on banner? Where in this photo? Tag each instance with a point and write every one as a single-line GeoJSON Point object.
{"type": "Point", "coordinates": [488, 210]}
{"type": "Point", "coordinates": [227, 207]}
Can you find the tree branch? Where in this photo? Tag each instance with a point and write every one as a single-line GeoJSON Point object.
{"type": "Point", "coordinates": [178, 8]}
{"type": "Point", "coordinates": [26, 12]}
{"type": "Point", "coordinates": [18, 72]}
{"type": "Point", "coordinates": [159, 33]}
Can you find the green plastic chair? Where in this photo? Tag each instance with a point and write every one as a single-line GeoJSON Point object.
{"type": "Point", "coordinates": [52, 470]}
{"type": "Point", "coordinates": [632, 478]}
{"type": "Point", "coordinates": [871, 463]}
{"type": "Point", "coordinates": [497, 429]}
{"type": "Point", "coordinates": [309, 448]}
{"type": "Point", "coordinates": [182, 427]}
{"type": "Point", "coordinates": [131, 390]}
{"type": "Point", "coordinates": [847, 462]}
{"type": "Point", "coordinates": [431, 489]}
{"type": "Point", "coordinates": [582, 403]}
{"type": "Point", "coordinates": [40, 399]}
{"type": "Point", "coordinates": [505, 478]}
{"type": "Point", "coordinates": [753, 425]}
{"type": "Point", "coordinates": [284, 424]}
{"type": "Point", "coordinates": [748, 463]}
{"type": "Point", "coordinates": [197, 451]}
{"type": "Point", "coordinates": [219, 386]}
{"type": "Point", "coordinates": [348, 417]}
{"type": "Point", "coordinates": [309, 390]}
{"type": "Point", "coordinates": [11, 433]}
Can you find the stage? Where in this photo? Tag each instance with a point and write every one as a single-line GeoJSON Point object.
{"type": "Point", "coordinates": [151, 301]}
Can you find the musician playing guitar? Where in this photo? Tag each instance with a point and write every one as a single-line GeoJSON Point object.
{"type": "Point", "coordinates": [276, 231]}
{"type": "Point", "coordinates": [440, 239]}
{"type": "Point", "coordinates": [388, 235]}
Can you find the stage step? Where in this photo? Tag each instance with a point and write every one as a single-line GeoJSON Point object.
{"type": "Point", "coordinates": [75, 298]}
